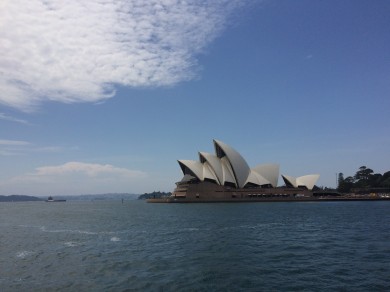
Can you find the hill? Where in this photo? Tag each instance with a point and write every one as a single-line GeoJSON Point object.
{"type": "Point", "coordinates": [18, 198]}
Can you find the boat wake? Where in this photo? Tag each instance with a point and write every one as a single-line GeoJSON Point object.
{"type": "Point", "coordinates": [43, 228]}
{"type": "Point", "coordinates": [71, 244]}
{"type": "Point", "coordinates": [23, 254]}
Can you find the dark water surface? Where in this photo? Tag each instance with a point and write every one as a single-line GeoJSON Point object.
{"type": "Point", "coordinates": [135, 246]}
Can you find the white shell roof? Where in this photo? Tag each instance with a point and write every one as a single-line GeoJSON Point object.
{"type": "Point", "coordinates": [228, 175]}
{"type": "Point", "coordinates": [239, 166]}
{"type": "Point", "coordinates": [257, 179]}
{"type": "Point", "coordinates": [215, 163]}
{"type": "Point", "coordinates": [208, 172]}
{"type": "Point", "coordinates": [195, 167]}
{"type": "Point", "coordinates": [186, 178]}
{"type": "Point", "coordinates": [269, 171]}
{"type": "Point", "coordinates": [290, 180]}
{"type": "Point", "coordinates": [228, 166]}
{"type": "Point", "coordinates": [307, 180]}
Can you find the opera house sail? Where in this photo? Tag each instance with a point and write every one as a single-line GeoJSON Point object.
{"type": "Point", "coordinates": [226, 176]}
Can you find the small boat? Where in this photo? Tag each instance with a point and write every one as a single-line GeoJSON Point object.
{"type": "Point", "coordinates": [50, 199]}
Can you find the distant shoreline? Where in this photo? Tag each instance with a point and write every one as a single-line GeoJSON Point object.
{"type": "Point", "coordinates": [89, 197]}
{"type": "Point", "coordinates": [19, 198]}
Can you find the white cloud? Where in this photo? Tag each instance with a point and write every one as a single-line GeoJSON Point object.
{"type": "Point", "coordinates": [76, 51]}
{"type": "Point", "coordinates": [13, 143]}
{"type": "Point", "coordinates": [88, 169]}
{"type": "Point", "coordinates": [6, 117]}
{"type": "Point", "coordinates": [18, 148]}
{"type": "Point", "coordinates": [76, 178]}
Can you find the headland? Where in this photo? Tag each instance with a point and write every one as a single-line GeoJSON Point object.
{"type": "Point", "coordinates": [226, 177]}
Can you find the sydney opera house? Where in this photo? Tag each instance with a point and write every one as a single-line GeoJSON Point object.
{"type": "Point", "coordinates": [226, 176]}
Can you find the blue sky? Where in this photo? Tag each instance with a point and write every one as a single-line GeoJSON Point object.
{"type": "Point", "coordinates": [106, 97]}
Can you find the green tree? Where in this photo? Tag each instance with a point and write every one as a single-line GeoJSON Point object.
{"type": "Point", "coordinates": [385, 180]}
{"type": "Point", "coordinates": [340, 179]}
{"type": "Point", "coordinates": [375, 180]}
{"type": "Point", "coordinates": [362, 176]}
{"type": "Point", "coordinates": [346, 185]}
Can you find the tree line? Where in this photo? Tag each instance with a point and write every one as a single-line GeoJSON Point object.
{"type": "Point", "coordinates": [154, 195]}
{"type": "Point", "coordinates": [365, 178]}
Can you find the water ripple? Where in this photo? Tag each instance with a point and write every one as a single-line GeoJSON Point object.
{"type": "Point", "coordinates": [201, 247]}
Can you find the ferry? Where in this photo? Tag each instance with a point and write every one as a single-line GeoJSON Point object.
{"type": "Point", "coordinates": [50, 200]}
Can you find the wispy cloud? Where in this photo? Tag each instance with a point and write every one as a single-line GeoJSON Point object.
{"type": "Point", "coordinates": [14, 143]}
{"type": "Point", "coordinates": [76, 178]}
{"type": "Point", "coordinates": [18, 147]}
{"type": "Point", "coordinates": [13, 147]}
{"type": "Point", "coordinates": [88, 169]}
{"type": "Point", "coordinates": [6, 117]}
{"type": "Point", "coordinates": [76, 51]}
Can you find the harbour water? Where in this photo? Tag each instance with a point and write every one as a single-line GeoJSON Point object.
{"type": "Point", "coordinates": [135, 246]}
